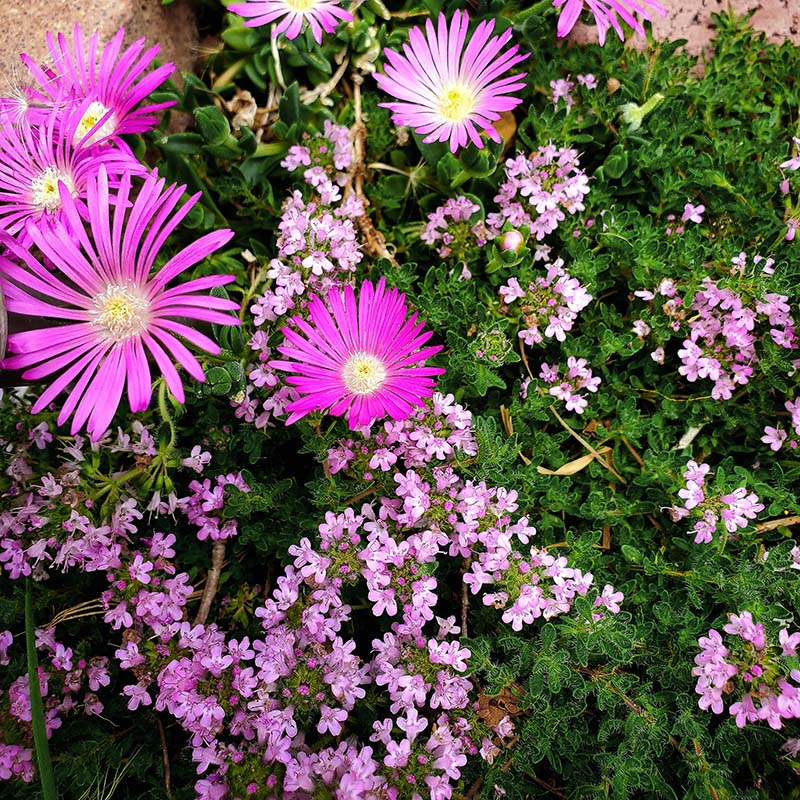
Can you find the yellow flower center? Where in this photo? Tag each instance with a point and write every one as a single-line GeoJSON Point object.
{"type": "Point", "coordinates": [456, 102]}
{"type": "Point", "coordinates": [120, 312]}
{"type": "Point", "coordinates": [363, 373]}
{"type": "Point", "coordinates": [44, 189]}
{"type": "Point", "coordinates": [301, 5]}
{"type": "Point", "coordinates": [91, 117]}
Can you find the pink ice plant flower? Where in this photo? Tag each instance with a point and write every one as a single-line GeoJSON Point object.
{"type": "Point", "coordinates": [607, 14]}
{"type": "Point", "coordinates": [364, 358]}
{"type": "Point", "coordinates": [115, 308]}
{"type": "Point", "coordinates": [36, 160]}
{"type": "Point", "coordinates": [113, 81]}
{"type": "Point", "coordinates": [321, 15]}
{"type": "Point", "coordinates": [447, 85]}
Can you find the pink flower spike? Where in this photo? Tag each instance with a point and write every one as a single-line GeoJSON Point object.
{"type": "Point", "coordinates": [448, 85]}
{"type": "Point", "coordinates": [606, 14]}
{"type": "Point", "coordinates": [321, 15]}
{"type": "Point", "coordinates": [114, 82]}
{"type": "Point", "coordinates": [363, 359]}
{"type": "Point", "coordinates": [114, 309]}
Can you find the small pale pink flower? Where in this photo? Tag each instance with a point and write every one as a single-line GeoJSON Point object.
{"type": "Point", "coordinates": [692, 213]}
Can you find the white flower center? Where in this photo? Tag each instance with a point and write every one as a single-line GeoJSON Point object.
{"type": "Point", "coordinates": [91, 117]}
{"type": "Point", "coordinates": [363, 373]}
{"type": "Point", "coordinates": [120, 312]}
{"type": "Point", "coordinates": [301, 5]}
{"type": "Point", "coordinates": [44, 189]}
{"type": "Point", "coordinates": [456, 102]}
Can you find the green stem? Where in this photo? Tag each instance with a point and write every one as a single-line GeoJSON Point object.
{"type": "Point", "coordinates": [536, 8]}
{"type": "Point", "coordinates": [268, 149]}
{"type": "Point", "coordinates": [37, 711]}
{"type": "Point", "coordinates": [165, 415]}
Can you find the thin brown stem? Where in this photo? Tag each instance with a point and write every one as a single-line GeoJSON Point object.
{"type": "Point", "coordinates": [464, 600]}
{"type": "Point", "coordinates": [165, 759]}
{"type": "Point", "coordinates": [474, 789]}
{"type": "Point", "coordinates": [374, 243]}
{"type": "Point", "coordinates": [212, 581]}
{"type": "Point", "coordinates": [545, 785]}
{"type": "Point", "coordinates": [360, 496]}
{"type": "Point", "coordinates": [771, 524]}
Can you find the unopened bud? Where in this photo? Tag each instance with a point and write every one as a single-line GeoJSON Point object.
{"type": "Point", "coordinates": [512, 240]}
{"type": "Point", "coordinates": [633, 114]}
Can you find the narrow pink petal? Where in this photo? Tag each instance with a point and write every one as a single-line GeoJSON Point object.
{"type": "Point", "coordinates": [138, 371]}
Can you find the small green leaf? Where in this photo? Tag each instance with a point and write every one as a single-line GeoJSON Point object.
{"type": "Point", "coordinates": [212, 124]}
{"type": "Point", "coordinates": [241, 38]}
{"type": "Point", "coordinates": [632, 554]}
{"type": "Point", "coordinates": [219, 380]}
{"type": "Point", "coordinates": [616, 163]}
{"type": "Point", "coordinates": [289, 106]}
{"type": "Point", "coordinates": [181, 143]}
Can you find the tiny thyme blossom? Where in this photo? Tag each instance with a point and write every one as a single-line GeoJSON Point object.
{"type": "Point", "coordinates": [539, 191]}
{"type": "Point", "coordinates": [734, 509]}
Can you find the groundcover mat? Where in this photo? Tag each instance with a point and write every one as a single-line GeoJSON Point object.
{"type": "Point", "coordinates": [405, 405]}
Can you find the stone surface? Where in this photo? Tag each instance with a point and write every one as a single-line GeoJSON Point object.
{"type": "Point", "coordinates": [691, 20]}
{"type": "Point", "coordinates": [23, 24]}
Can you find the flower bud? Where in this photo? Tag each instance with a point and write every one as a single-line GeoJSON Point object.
{"type": "Point", "coordinates": [512, 240]}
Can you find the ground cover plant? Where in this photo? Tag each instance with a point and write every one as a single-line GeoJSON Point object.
{"type": "Point", "coordinates": [420, 422]}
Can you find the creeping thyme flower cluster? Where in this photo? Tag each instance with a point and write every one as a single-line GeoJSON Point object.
{"type": "Point", "coordinates": [734, 509]}
{"type": "Point", "coordinates": [323, 159]}
{"type": "Point", "coordinates": [442, 430]}
{"type": "Point", "coordinates": [724, 331]}
{"type": "Point", "coordinates": [201, 506]}
{"type": "Point", "coordinates": [539, 191]}
{"type": "Point", "coordinates": [725, 324]}
{"type": "Point", "coordinates": [257, 709]}
{"type": "Point", "coordinates": [440, 512]}
{"type": "Point", "coordinates": [453, 230]}
{"type": "Point", "coordinates": [317, 248]}
{"type": "Point", "coordinates": [67, 684]}
{"type": "Point", "coordinates": [570, 387]}
{"type": "Point", "coordinates": [548, 305]}
{"type": "Point", "coordinates": [753, 669]}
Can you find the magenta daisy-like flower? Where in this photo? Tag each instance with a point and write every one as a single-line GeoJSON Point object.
{"type": "Point", "coordinates": [448, 85]}
{"type": "Point", "coordinates": [606, 15]}
{"type": "Point", "coordinates": [106, 308]}
{"type": "Point", "coordinates": [321, 15]}
{"type": "Point", "coordinates": [114, 82]}
{"type": "Point", "coordinates": [363, 358]}
{"type": "Point", "coordinates": [35, 159]}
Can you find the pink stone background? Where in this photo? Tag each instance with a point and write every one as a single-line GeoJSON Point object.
{"type": "Point", "coordinates": [23, 24]}
{"type": "Point", "coordinates": [691, 20]}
